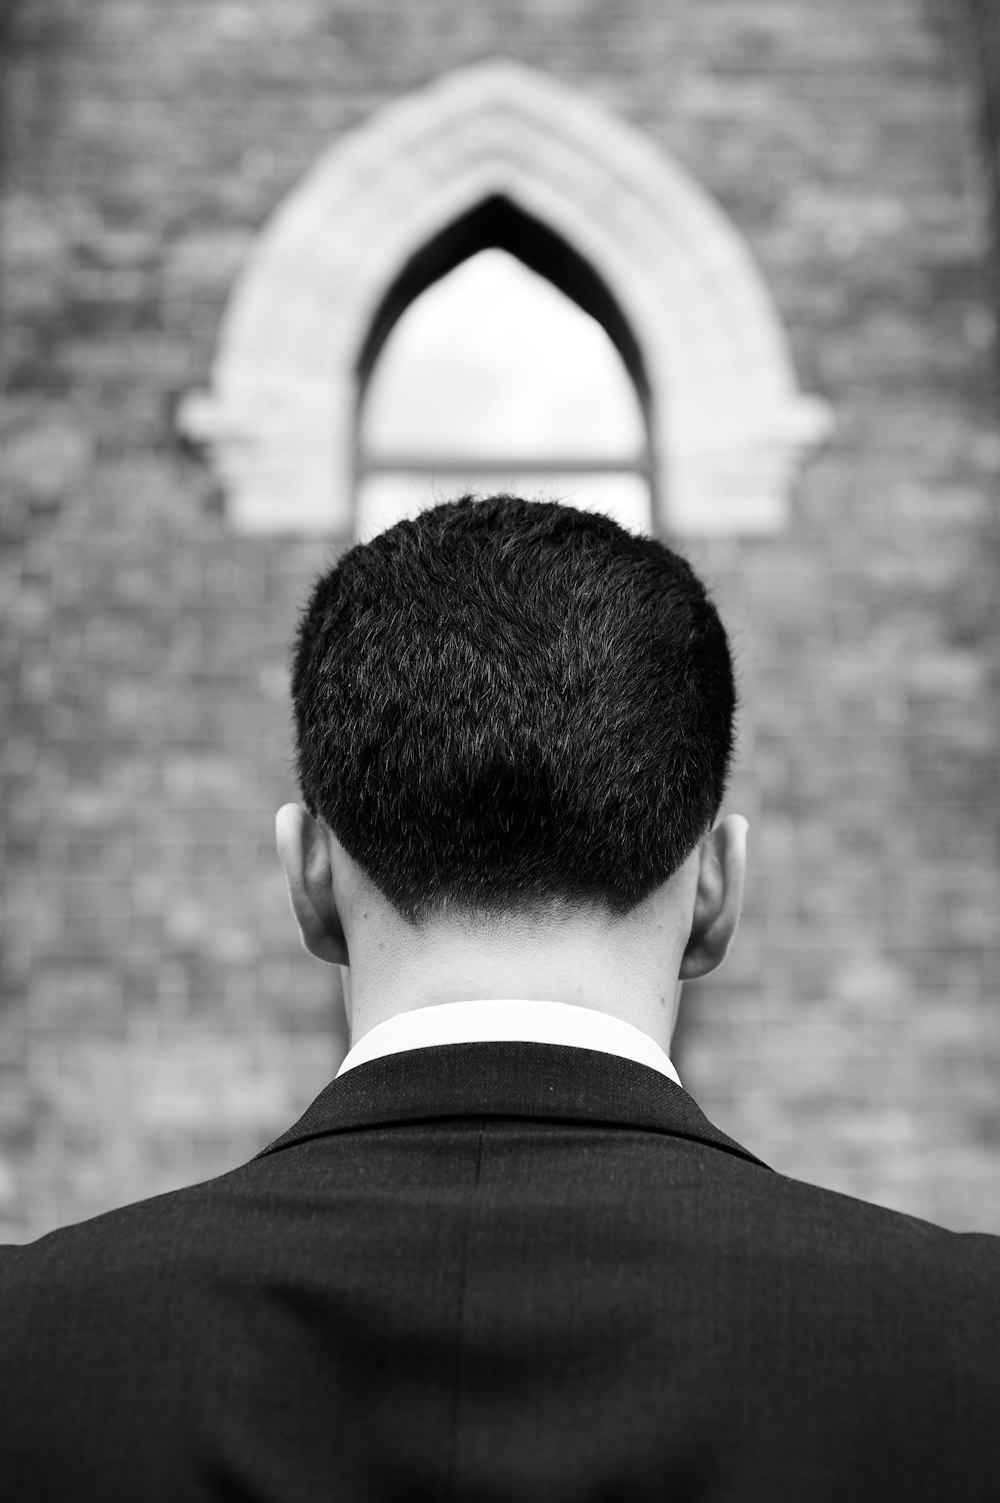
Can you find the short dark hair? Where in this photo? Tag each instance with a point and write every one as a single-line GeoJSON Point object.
{"type": "Point", "coordinates": [503, 704]}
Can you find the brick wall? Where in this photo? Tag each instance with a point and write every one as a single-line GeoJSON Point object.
{"type": "Point", "coordinates": [159, 1021]}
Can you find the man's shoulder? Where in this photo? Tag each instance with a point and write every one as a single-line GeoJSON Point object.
{"type": "Point", "coordinates": [152, 1276]}
{"type": "Point", "coordinates": [875, 1244]}
{"type": "Point", "coordinates": [154, 1231]}
{"type": "Point", "coordinates": [744, 1214]}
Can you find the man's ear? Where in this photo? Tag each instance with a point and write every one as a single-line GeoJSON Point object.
{"type": "Point", "coordinates": [305, 855]}
{"type": "Point", "coordinates": [722, 863]}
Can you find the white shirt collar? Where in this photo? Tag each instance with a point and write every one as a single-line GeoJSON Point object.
{"type": "Point", "coordinates": [509, 1019]}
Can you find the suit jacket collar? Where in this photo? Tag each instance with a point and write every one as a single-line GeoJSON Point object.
{"type": "Point", "coordinates": [548, 1082]}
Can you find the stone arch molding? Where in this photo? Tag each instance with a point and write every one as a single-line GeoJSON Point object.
{"type": "Point", "coordinates": [728, 424]}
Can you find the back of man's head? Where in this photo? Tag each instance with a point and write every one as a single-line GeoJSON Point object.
{"type": "Point", "coordinates": [505, 704]}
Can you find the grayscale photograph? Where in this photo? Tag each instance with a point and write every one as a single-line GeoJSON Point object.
{"type": "Point", "coordinates": [499, 751]}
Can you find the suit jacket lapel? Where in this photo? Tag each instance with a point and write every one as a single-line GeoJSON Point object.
{"type": "Point", "coordinates": [549, 1082]}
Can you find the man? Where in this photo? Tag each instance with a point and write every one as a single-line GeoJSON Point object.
{"type": "Point", "coordinates": [504, 1256]}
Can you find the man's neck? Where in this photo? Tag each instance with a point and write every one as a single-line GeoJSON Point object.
{"type": "Point", "coordinates": [599, 983]}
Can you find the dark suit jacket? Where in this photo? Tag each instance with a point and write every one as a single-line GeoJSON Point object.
{"type": "Point", "coordinates": [494, 1272]}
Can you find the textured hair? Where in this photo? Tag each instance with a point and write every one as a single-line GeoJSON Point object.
{"type": "Point", "coordinates": [505, 705]}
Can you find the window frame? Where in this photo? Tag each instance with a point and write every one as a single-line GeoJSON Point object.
{"type": "Point", "coordinates": [729, 427]}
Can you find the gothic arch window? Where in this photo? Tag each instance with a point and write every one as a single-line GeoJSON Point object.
{"type": "Point", "coordinates": [499, 360]}
{"type": "Point", "coordinates": [641, 248]}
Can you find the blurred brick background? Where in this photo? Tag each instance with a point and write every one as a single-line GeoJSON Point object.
{"type": "Point", "coordinates": [159, 1022]}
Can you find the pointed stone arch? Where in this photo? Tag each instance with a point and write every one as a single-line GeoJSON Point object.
{"type": "Point", "coordinates": [728, 423]}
